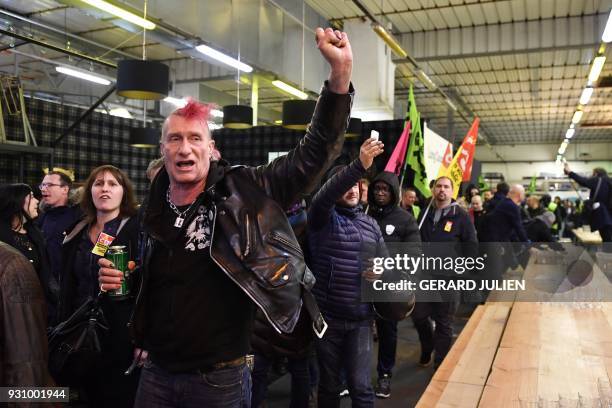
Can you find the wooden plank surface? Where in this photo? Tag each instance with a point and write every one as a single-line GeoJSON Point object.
{"type": "Point", "coordinates": [553, 353]}
{"type": "Point", "coordinates": [587, 237]}
{"type": "Point", "coordinates": [460, 379]}
{"type": "Point", "coordinates": [534, 354]}
{"type": "Point", "coordinates": [438, 392]}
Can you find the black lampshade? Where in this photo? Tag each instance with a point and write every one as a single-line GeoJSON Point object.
{"type": "Point", "coordinates": [144, 137]}
{"type": "Point", "coordinates": [237, 117]}
{"type": "Point", "coordinates": [355, 127]}
{"type": "Point", "coordinates": [138, 79]}
{"type": "Point", "coordinates": [298, 113]}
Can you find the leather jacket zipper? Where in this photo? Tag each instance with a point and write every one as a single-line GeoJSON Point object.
{"type": "Point", "coordinates": [212, 239]}
{"type": "Point", "coordinates": [247, 249]}
{"type": "Point", "coordinates": [279, 238]}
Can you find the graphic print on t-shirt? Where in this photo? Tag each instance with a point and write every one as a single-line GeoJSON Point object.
{"type": "Point", "coordinates": [198, 233]}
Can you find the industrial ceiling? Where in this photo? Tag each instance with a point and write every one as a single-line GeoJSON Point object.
{"type": "Point", "coordinates": [520, 65]}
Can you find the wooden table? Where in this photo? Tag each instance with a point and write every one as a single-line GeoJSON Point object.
{"type": "Point", "coordinates": [587, 237]}
{"type": "Point", "coordinates": [531, 354]}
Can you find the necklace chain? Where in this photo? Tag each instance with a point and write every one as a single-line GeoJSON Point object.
{"type": "Point", "coordinates": [174, 208]}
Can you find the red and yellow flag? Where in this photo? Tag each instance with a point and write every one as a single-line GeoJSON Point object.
{"type": "Point", "coordinates": [460, 168]}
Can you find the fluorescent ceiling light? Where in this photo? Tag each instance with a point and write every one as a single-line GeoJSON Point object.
{"type": "Point", "coordinates": [216, 113]}
{"type": "Point", "coordinates": [607, 34]}
{"type": "Point", "coordinates": [426, 80]}
{"type": "Point", "coordinates": [178, 102]}
{"type": "Point", "coordinates": [289, 89]}
{"type": "Point", "coordinates": [586, 95]}
{"type": "Point", "coordinates": [451, 104]}
{"type": "Point", "coordinates": [572, 126]}
{"type": "Point", "coordinates": [214, 126]}
{"type": "Point", "coordinates": [577, 116]}
{"type": "Point", "coordinates": [278, 122]}
{"type": "Point", "coordinates": [83, 75]}
{"type": "Point", "coordinates": [570, 133]}
{"type": "Point", "coordinates": [121, 13]}
{"type": "Point", "coordinates": [389, 40]}
{"type": "Point", "coordinates": [121, 112]}
{"type": "Point", "coordinates": [219, 56]}
{"type": "Point", "coordinates": [598, 64]}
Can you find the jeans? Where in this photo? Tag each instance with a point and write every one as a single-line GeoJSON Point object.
{"type": "Point", "coordinates": [346, 344]}
{"type": "Point", "coordinates": [300, 381]}
{"type": "Point", "coordinates": [387, 346]}
{"type": "Point", "coordinates": [224, 388]}
{"type": "Point", "coordinates": [440, 340]}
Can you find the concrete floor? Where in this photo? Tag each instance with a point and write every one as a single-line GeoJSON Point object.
{"type": "Point", "coordinates": [409, 380]}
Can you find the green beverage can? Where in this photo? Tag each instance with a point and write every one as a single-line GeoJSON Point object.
{"type": "Point", "coordinates": [119, 257]}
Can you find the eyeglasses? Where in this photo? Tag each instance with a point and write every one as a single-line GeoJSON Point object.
{"type": "Point", "coordinates": [47, 185]}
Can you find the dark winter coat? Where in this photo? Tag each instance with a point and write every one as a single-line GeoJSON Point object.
{"type": "Point", "coordinates": [600, 217]}
{"type": "Point", "coordinates": [48, 282]}
{"type": "Point", "coordinates": [54, 222]}
{"type": "Point", "coordinates": [341, 240]}
{"type": "Point", "coordinates": [23, 337]}
{"type": "Point", "coordinates": [396, 224]}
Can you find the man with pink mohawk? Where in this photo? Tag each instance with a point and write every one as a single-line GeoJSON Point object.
{"type": "Point", "coordinates": [217, 245]}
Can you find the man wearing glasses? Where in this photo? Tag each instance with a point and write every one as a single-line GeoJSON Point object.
{"type": "Point", "coordinates": [58, 215]}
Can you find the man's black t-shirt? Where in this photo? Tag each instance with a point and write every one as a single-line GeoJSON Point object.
{"type": "Point", "coordinates": [196, 315]}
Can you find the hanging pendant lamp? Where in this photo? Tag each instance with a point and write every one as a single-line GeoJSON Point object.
{"type": "Point", "coordinates": [237, 117]}
{"type": "Point", "coordinates": [297, 113]}
{"type": "Point", "coordinates": [137, 79]}
{"type": "Point", "coordinates": [145, 137]}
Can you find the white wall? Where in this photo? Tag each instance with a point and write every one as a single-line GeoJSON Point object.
{"type": "Point", "coordinates": [545, 152]}
{"type": "Point", "coordinates": [514, 172]}
{"type": "Point", "coordinates": [373, 73]}
{"type": "Point", "coordinates": [528, 160]}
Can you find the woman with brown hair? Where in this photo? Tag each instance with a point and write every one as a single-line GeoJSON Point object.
{"type": "Point", "coordinates": [109, 208]}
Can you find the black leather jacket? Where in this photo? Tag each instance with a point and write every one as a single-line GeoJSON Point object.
{"type": "Point", "coordinates": [252, 241]}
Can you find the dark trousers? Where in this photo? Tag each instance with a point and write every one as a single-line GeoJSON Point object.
{"type": "Point", "coordinates": [439, 340]}
{"type": "Point", "coordinates": [606, 233]}
{"type": "Point", "coordinates": [300, 381]}
{"type": "Point", "coordinates": [606, 237]}
{"type": "Point", "coordinates": [224, 388]}
{"type": "Point", "coordinates": [346, 344]}
{"type": "Point", "coordinates": [387, 346]}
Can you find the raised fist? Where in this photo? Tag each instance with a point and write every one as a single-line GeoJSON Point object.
{"type": "Point", "coordinates": [336, 49]}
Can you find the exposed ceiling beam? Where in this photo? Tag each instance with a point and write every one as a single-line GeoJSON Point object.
{"type": "Point", "coordinates": [501, 53]}
{"type": "Point", "coordinates": [518, 37]}
{"type": "Point", "coordinates": [58, 49]}
{"type": "Point", "coordinates": [47, 10]}
{"type": "Point", "coordinates": [418, 9]}
{"type": "Point", "coordinates": [56, 30]}
{"type": "Point", "coordinates": [503, 71]}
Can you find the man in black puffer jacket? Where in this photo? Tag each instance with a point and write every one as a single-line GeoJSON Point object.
{"type": "Point", "coordinates": [338, 231]}
{"type": "Point", "coordinates": [397, 225]}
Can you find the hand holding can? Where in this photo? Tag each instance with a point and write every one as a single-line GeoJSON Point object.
{"type": "Point", "coordinates": [108, 276]}
{"type": "Point", "coordinates": [119, 257]}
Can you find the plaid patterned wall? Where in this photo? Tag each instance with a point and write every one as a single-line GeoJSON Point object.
{"type": "Point", "coordinates": [103, 139]}
{"type": "Point", "coordinates": [100, 139]}
{"type": "Point", "coordinates": [251, 146]}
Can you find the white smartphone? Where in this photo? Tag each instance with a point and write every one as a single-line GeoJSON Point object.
{"type": "Point", "coordinates": [374, 135]}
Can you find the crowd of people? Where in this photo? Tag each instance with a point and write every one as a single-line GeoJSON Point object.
{"type": "Point", "coordinates": [227, 262]}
